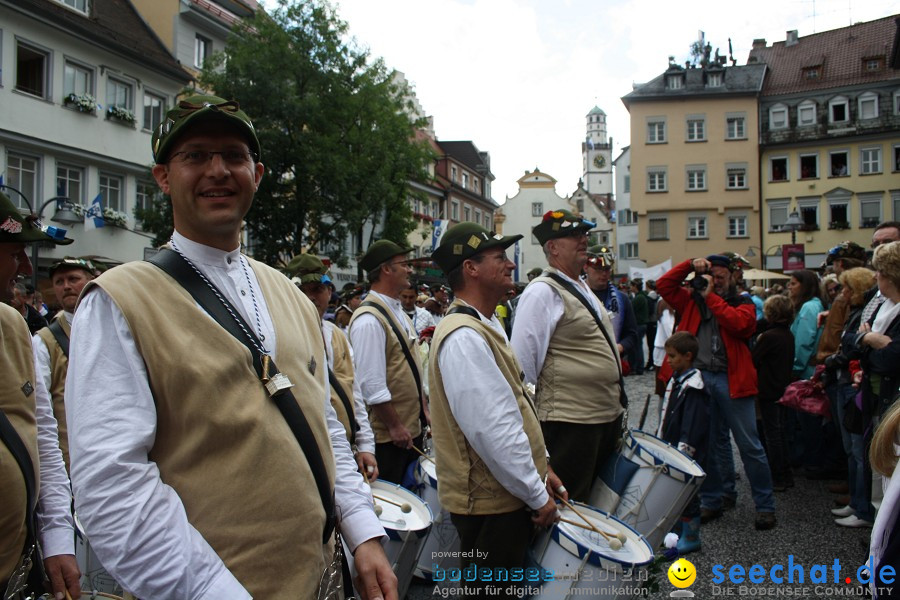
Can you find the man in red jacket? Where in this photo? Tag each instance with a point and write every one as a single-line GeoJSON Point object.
{"type": "Point", "coordinates": [723, 321]}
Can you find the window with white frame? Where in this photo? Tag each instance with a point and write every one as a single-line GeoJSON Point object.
{"type": "Point", "coordinates": [477, 216]}
{"type": "Point", "coordinates": [809, 211]}
{"type": "Point", "coordinates": [145, 192]}
{"type": "Point", "coordinates": [111, 188]}
{"type": "Point", "coordinates": [119, 93]}
{"type": "Point", "coordinates": [675, 82]}
{"type": "Point", "coordinates": [735, 127]}
{"type": "Point", "coordinates": [714, 80]}
{"type": "Point", "coordinates": [895, 201]}
{"type": "Point", "coordinates": [870, 160]}
{"type": "Point", "coordinates": [806, 113]}
{"type": "Point", "coordinates": [454, 210]}
{"type": "Point", "coordinates": [23, 174]}
{"type": "Point", "coordinates": [154, 108]}
{"type": "Point", "coordinates": [537, 209]}
{"type": "Point", "coordinates": [453, 175]}
{"type": "Point", "coordinates": [628, 217]}
{"type": "Point", "coordinates": [778, 117]}
{"type": "Point", "coordinates": [656, 131]}
{"type": "Point", "coordinates": [839, 209]}
{"type": "Point", "coordinates": [895, 163]}
{"type": "Point", "coordinates": [874, 64]}
{"type": "Point", "coordinates": [70, 182]}
{"type": "Point", "coordinates": [82, 6]}
{"type": "Point", "coordinates": [658, 228]}
{"type": "Point", "coordinates": [869, 210]}
{"type": "Point", "coordinates": [778, 169]}
{"type": "Point", "coordinates": [839, 163]}
{"type": "Point", "coordinates": [778, 213]}
{"type": "Point", "coordinates": [737, 226]}
{"type": "Point", "coordinates": [77, 79]}
{"type": "Point", "coordinates": [202, 50]}
{"type": "Point", "coordinates": [696, 227]}
{"type": "Point", "coordinates": [628, 250]}
{"type": "Point", "coordinates": [838, 110]}
{"type": "Point", "coordinates": [695, 177]}
{"type": "Point", "coordinates": [487, 222]}
{"type": "Point", "coordinates": [467, 213]}
{"type": "Point", "coordinates": [656, 179]}
{"type": "Point", "coordinates": [868, 106]}
{"type": "Point", "coordinates": [32, 69]}
{"type": "Point", "coordinates": [736, 176]}
{"type": "Point", "coordinates": [465, 180]}
{"type": "Point", "coordinates": [809, 166]}
{"type": "Point", "coordinates": [696, 129]}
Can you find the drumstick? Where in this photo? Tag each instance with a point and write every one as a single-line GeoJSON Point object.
{"type": "Point", "coordinates": [366, 477]}
{"type": "Point", "coordinates": [403, 507]}
{"type": "Point", "coordinates": [608, 536]}
{"type": "Point", "coordinates": [424, 455]}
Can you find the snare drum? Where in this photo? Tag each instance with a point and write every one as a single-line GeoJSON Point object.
{"type": "Point", "coordinates": [93, 575]}
{"type": "Point", "coordinates": [406, 531]}
{"type": "Point", "coordinates": [582, 561]}
{"type": "Point", "coordinates": [647, 485]}
{"type": "Point", "coordinates": [442, 543]}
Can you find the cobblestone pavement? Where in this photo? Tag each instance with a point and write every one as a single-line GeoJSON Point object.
{"type": "Point", "coordinates": [805, 532]}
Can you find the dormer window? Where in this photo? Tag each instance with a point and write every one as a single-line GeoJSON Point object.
{"type": "Point", "coordinates": [675, 82]}
{"type": "Point", "coordinates": [82, 6]}
{"type": "Point", "coordinates": [714, 79]}
{"type": "Point", "coordinates": [812, 72]}
{"type": "Point", "coordinates": [873, 64]}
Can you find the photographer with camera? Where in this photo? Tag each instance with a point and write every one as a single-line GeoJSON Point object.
{"type": "Point", "coordinates": [723, 322]}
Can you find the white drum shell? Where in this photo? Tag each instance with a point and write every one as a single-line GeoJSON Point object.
{"type": "Point", "coordinates": [443, 539]}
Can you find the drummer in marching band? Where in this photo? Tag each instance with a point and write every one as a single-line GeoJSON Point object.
{"type": "Point", "coordinates": [494, 476]}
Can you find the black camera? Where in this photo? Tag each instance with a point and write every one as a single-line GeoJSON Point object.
{"type": "Point", "coordinates": [699, 283]}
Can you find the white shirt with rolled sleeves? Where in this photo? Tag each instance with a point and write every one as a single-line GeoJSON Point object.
{"type": "Point", "coordinates": [495, 428]}
{"type": "Point", "coordinates": [537, 314]}
{"type": "Point", "coordinates": [112, 425]}
{"type": "Point", "coordinates": [365, 438]}
{"type": "Point", "coordinates": [42, 365]}
{"type": "Point", "coordinates": [368, 338]}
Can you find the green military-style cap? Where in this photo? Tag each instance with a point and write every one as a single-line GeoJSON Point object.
{"type": "Point", "coordinates": [379, 252]}
{"type": "Point", "coordinates": [559, 223]}
{"type": "Point", "coordinates": [600, 256]}
{"type": "Point", "coordinates": [464, 241]}
{"type": "Point", "coordinates": [18, 228]}
{"type": "Point", "coordinates": [308, 268]}
{"type": "Point", "coordinates": [198, 109]}
{"type": "Point", "coordinates": [71, 262]}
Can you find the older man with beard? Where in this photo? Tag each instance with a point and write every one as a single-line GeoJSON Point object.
{"type": "Point", "coordinates": [723, 321]}
{"type": "Point", "coordinates": [566, 345]}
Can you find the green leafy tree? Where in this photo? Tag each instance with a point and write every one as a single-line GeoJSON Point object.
{"type": "Point", "coordinates": [337, 142]}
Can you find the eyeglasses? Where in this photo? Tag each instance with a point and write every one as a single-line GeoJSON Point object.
{"type": "Point", "coordinates": [201, 157]}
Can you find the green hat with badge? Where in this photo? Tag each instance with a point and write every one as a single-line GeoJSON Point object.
{"type": "Point", "coordinates": [199, 109]}
{"type": "Point", "coordinates": [379, 252]}
{"type": "Point", "coordinates": [601, 256]}
{"type": "Point", "coordinates": [70, 262]}
{"type": "Point", "coordinates": [18, 228]}
{"type": "Point", "coordinates": [308, 268]}
{"type": "Point", "coordinates": [560, 223]}
{"type": "Point", "coordinates": [464, 241]}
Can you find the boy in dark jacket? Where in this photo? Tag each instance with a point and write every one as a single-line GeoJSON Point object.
{"type": "Point", "coordinates": [685, 422]}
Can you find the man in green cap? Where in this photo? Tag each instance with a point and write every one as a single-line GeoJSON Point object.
{"type": "Point", "coordinates": [25, 406]}
{"type": "Point", "coordinates": [386, 357]}
{"type": "Point", "coordinates": [311, 275]}
{"type": "Point", "coordinates": [565, 342]}
{"type": "Point", "coordinates": [189, 481]}
{"type": "Point", "coordinates": [494, 476]}
{"type": "Point", "coordinates": [51, 344]}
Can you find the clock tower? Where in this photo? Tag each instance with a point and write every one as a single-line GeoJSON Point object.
{"type": "Point", "coordinates": [596, 156]}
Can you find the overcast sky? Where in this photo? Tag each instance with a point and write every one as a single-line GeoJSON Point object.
{"type": "Point", "coordinates": [517, 77]}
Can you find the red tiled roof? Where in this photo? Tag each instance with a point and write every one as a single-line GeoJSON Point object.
{"type": "Point", "coordinates": [839, 51]}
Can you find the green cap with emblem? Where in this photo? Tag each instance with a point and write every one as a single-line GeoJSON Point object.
{"type": "Point", "coordinates": [18, 228]}
{"type": "Point", "coordinates": [600, 256]}
{"type": "Point", "coordinates": [464, 241]}
{"type": "Point", "coordinates": [379, 252]}
{"type": "Point", "coordinates": [559, 223]}
{"type": "Point", "coordinates": [308, 268]}
{"type": "Point", "coordinates": [71, 262]}
{"type": "Point", "coordinates": [198, 109]}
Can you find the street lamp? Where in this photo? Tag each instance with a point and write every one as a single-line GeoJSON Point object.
{"type": "Point", "coordinates": [762, 259]}
{"type": "Point", "coordinates": [793, 223]}
{"type": "Point", "coordinates": [64, 214]}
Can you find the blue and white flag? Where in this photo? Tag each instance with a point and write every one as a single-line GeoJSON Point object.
{"type": "Point", "coordinates": [437, 234]}
{"type": "Point", "coordinates": [93, 218]}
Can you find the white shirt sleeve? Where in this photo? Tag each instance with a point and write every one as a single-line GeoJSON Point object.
{"type": "Point", "coordinates": [42, 365]}
{"type": "Point", "coordinates": [494, 427]}
{"type": "Point", "coordinates": [56, 529]}
{"type": "Point", "coordinates": [537, 315]}
{"type": "Point", "coordinates": [365, 437]}
{"type": "Point", "coordinates": [112, 427]}
{"type": "Point", "coordinates": [368, 338]}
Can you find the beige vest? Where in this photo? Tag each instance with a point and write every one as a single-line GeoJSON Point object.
{"type": "Point", "coordinates": [579, 380]}
{"type": "Point", "coordinates": [400, 381]}
{"type": "Point", "coordinates": [59, 366]}
{"type": "Point", "coordinates": [343, 371]}
{"type": "Point", "coordinates": [465, 484]}
{"type": "Point", "coordinates": [221, 442]}
{"type": "Point", "coordinates": [17, 402]}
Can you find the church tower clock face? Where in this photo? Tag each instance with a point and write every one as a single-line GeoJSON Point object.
{"type": "Point", "coordinates": [599, 161]}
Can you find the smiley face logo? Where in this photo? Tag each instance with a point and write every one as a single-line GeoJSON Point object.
{"type": "Point", "coordinates": [682, 573]}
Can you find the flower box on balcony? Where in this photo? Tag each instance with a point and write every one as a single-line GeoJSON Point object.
{"type": "Point", "coordinates": [84, 103]}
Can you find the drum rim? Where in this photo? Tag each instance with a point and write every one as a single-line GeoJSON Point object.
{"type": "Point", "coordinates": [432, 480]}
{"type": "Point", "coordinates": [423, 531]}
{"type": "Point", "coordinates": [596, 557]}
{"type": "Point", "coordinates": [632, 441]}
